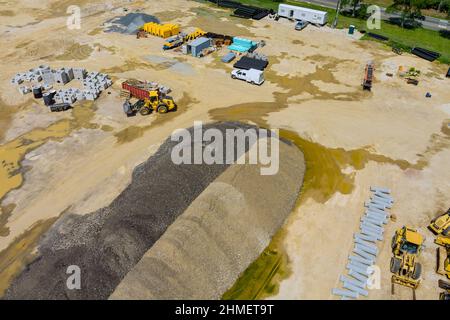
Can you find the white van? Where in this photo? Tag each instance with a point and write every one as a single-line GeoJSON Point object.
{"type": "Point", "coordinates": [252, 76]}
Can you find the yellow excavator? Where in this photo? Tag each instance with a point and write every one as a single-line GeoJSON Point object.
{"type": "Point", "coordinates": [441, 225]}
{"type": "Point", "coordinates": [406, 245]}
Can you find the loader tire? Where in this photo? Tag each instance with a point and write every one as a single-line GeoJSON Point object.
{"type": "Point", "coordinates": [393, 243]}
{"type": "Point", "coordinates": [395, 265]}
{"type": "Point", "coordinates": [162, 109]}
{"type": "Point", "coordinates": [417, 271]}
{"type": "Point", "coordinates": [144, 111]}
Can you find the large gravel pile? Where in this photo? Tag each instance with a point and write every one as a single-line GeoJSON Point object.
{"type": "Point", "coordinates": [106, 244]}
{"type": "Point", "coordinates": [225, 229]}
{"type": "Point", "coordinates": [129, 23]}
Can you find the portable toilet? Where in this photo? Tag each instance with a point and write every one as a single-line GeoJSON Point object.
{"type": "Point", "coordinates": [351, 29]}
{"type": "Point", "coordinates": [195, 47]}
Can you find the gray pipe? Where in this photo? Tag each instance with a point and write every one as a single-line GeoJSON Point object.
{"type": "Point", "coordinates": [355, 289]}
{"type": "Point", "coordinates": [344, 293]}
{"type": "Point", "coordinates": [380, 189]}
{"type": "Point", "coordinates": [359, 276]}
{"type": "Point", "coordinates": [375, 217]}
{"type": "Point", "coordinates": [365, 243]}
{"type": "Point", "coordinates": [356, 264]}
{"type": "Point", "coordinates": [378, 206]}
{"type": "Point", "coordinates": [354, 282]}
{"type": "Point", "coordinates": [384, 196]}
{"type": "Point", "coordinates": [364, 254]}
{"type": "Point", "coordinates": [372, 220]}
{"type": "Point", "coordinates": [367, 249]}
{"type": "Point", "coordinates": [367, 262]}
{"type": "Point", "coordinates": [357, 269]}
{"type": "Point", "coordinates": [371, 233]}
{"type": "Point", "coordinates": [383, 215]}
{"type": "Point", "coordinates": [376, 229]}
{"type": "Point", "coordinates": [382, 203]}
{"type": "Point", "coordinates": [365, 237]}
{"type": "Point", "coordinates": [386, 199]}
{"type": "Point", "coordinates": [377, 210]}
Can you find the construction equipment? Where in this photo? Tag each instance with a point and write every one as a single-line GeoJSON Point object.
{"type": "Point", "coordinates": [441, 225]}
{"type": "Point", "coordinates": [141, 34]}
{"type": "Point", "coordinates": [194, 35]}
{"type": "Point", "coordinates": [406, 246]}
{"type": "Point", "coordinates": [173, 42]}
{"type": "Point", "coordinates": [446, 286]}
{"type": "Point", "coordinates": [150, 97]}
{"type": "Point", "coordinates": [443, 261]}
{"type": "Point", "coordinates": [147, 106]}
{"type": "Point", "coordinates": [161, 30]}
{"type": "Point", "coordinates": [397, 50]}
{"type": "Point", "coordinates": [412, 81]}
{"type": "Point", "coordinates": [180, 39]}
{"type": "Point", "coordinates": [368, 76]}
{"type": "Point", "coordinates": [443, 255]}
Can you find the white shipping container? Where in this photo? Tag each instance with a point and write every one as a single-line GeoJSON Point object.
{"type": "Point", "coordinates": [300, 13]}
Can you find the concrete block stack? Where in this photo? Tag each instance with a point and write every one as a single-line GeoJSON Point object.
{"type": "Point", "coordinates": [18, 78]}
{"type": "Point", "coordinates": [24, 89]}
{"type": "Point", "coordinates": [79, 73]}
{"type": "Point", "coordinates": [69, 72]}
{"type": "Point", "coordinates": [61, 76]}
{"type": "Point", "coordinates": [48, 76]}
{"type": "Point", "coordinates": [93, 83]}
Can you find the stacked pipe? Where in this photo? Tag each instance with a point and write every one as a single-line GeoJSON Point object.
{"type": "Point", "coordinates": [365, 250]}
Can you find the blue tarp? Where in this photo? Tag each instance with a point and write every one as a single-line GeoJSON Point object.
{"type": "Point", "coordinates": [242, 45]}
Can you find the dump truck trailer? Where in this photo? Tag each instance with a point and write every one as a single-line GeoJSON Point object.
{"type": "Point", "coordinates": [137, 89]}
{"type": "Point", "coordinates": [368, 76]}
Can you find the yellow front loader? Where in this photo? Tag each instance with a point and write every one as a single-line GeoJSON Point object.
{"type": "Point", "coordinates": [441, 225]}
{"type": "Point", "coordinates": [406, 246]}
{"type": "Point", "coordinates": [157, 103]}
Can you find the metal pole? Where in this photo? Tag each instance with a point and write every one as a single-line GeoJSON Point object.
{"type": "Point", "coordinates": [338, 9]}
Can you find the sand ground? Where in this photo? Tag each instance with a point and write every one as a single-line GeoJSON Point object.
{"type": "Point", "coordinates": [83, 158]}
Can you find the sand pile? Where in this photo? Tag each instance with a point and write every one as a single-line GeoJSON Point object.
{"type": "Point", "coordinates": [225, 229]}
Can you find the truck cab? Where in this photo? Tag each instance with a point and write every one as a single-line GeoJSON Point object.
{"type": "Point", "coordinates": [252, 76]}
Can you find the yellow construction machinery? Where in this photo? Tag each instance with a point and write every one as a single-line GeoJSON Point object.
{"type": "Point", "coordinates": [441, 225]}
{"type": "Point", "coordinates": [149, 98]}
{"type": "Point", "coordinates": [406, 246]}
{"type": "Point", "coordinates": [443, 256]}
{"type": "Point", "coordinates": [149, 105]}
{"type": "Point", "coordinates": [446, 286]}
{"type": "Point", "coordinates": [182, 38]}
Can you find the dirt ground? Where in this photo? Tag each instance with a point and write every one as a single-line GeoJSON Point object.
{"type": "Point", "coordinates": [82, 159]}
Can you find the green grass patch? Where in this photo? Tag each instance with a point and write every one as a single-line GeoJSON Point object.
{"type": "Point", "coordinates": [405, 38]}
{"type": "Point", "coordinates": [261, 279]}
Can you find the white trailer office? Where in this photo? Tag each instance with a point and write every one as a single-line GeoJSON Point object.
{"type": "Point", "coordinates": [300, 13]}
